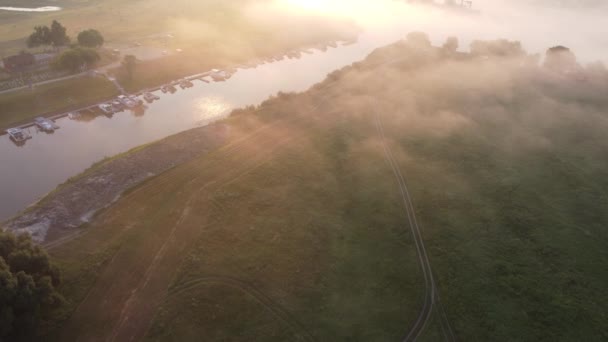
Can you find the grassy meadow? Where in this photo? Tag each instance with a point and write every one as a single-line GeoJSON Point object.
{"type": "Point", "coordinates": [295, 230]}
{"type": "Point", "coordinates": [22, 105]}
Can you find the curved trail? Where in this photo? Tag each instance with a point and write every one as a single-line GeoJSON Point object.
{"type": "Point", "coordinates": [250, 290]}
{"type": "Point", "coordinates": [133, 300]}
{"type": "Point", "coordinates": [431, 297]}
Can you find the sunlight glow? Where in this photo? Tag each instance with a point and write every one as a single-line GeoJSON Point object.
{"type": "Point", "coordinates": [360, 10]}
{"type": "Point", "coordinates": [212, 107]}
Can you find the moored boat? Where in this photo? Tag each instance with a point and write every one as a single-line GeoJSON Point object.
{"type": "Point", "coordinates": [18, 135]}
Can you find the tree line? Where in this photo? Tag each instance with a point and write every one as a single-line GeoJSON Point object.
{"type": "Point", "coordinates": [80, 55]}
{"type": "Point", "coordinates": [28, 282]}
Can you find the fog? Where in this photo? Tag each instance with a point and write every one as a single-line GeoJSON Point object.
{"type": "Point", "coordinates": [579, 25]}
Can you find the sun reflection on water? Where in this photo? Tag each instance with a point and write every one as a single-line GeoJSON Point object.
{"type": "Point", "coordinates": [211, 108]}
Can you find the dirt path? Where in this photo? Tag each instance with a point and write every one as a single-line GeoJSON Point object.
{"type": "Point", "coordinates": [431, 298]}
{"type": "Point", "coordinates": [124, 299]}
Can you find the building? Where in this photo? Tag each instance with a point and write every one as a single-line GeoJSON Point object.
{"type": "Point", "coordinates": [44, 59]}
{"type": "Point", "coordinates": [26, 61]}
{"type": "Point", "coordinates": [18, 63]}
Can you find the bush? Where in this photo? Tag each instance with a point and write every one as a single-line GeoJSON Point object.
{"type": "Point", "coordinates": [90, 38]}
{"type": "Point", "coordinates": [76, 59]}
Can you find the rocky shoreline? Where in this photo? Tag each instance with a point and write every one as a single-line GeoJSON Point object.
{"type": "Point", "coordinates": [74, 203]}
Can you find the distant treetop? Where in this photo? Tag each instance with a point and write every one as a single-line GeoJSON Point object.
{"type": "Point", "coordinates": [90, 38]}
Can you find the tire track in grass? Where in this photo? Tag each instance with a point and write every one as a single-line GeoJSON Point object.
{"type": "Point", "coordinates": [248, 288]}
{"type": "Point", "coordinates": [124, 325]}
{"type": "Point", "coordinates": [431, 297]}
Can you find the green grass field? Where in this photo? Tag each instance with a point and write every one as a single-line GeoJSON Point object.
{"type": "Point", "coordinates": [295, 230]}
{"type": "Point", "coordinates": [21, 106]}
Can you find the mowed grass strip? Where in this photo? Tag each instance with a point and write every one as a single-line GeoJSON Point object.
{"type": "Point", "coordinates": [280, 216]}
{"type": "Point", "coordinates": [318, 230]}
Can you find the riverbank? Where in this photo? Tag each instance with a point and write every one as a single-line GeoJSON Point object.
{"type": "Point", "coordinates": [72, 204]}
{"type": "Point", "coordinates": [63, 96]}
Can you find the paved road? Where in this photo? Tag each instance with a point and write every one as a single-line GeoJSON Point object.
{"type": "Point", "coordinates": [43, 83]}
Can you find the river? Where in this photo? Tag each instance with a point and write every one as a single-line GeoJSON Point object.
{"type": "Point", "coordinates": [29, 172]}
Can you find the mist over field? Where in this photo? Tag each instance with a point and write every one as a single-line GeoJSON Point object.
{"type": "Point", "coordinates": [305, 170]}
{"type": "Point", "coordinates": [576, 24]}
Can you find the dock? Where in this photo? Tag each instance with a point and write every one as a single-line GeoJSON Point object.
{"type": "Point", "coordinates": [209, 76]}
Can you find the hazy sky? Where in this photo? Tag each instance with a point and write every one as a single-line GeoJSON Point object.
{"type": "Point", "coordinates": [539, 24]}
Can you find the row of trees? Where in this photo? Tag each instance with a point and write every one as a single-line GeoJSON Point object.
{"type": "Point", "coordinates": [28, 283]}
{"type": "Point", "coordinates": [56, 36]}
{"type": "Point", "coordinates": [80, 56]}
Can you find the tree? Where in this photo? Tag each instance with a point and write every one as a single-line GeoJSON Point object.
{"type": "Point", "coordinates": [451, 45]}
{"type": "Point", "coordinates": [43, 35]}
{"type": "Point", "coordinates": [129, 62]}
{"type": "Point", "coordinates": [76, 59]}
{"type": "Point", "coordinates": [560, 58]}
{"type": "Point", "coordinates": [497, 48]}
{"type": "Point", "coordinates": [58, 34]}
{"type": "Point", "coordinates": [40, 36]}
{"type": "Point", "coordinates": [90, 38]}
{"type": "Point", "coordinates": [28, 282]}
{"type": "Point", "coordinates": [418, 39]}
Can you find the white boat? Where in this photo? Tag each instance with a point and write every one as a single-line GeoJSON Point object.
{"type": "Point", "coordinates": [106, 108]}
{"type": "Point", "coordinates": [185, 84]}
{"type": "Point", "coordinates": [45, 124]}
{"type": "Point", "coordinates": [18, 135]}
{"type": "Point", "coordinates": [135, 100]}
{"type": "Point", "coordinates": [73, 115]}
{"type": "Point", "coordinates": [149, 97]}
{"type": "Point", "coordinates": [117, 106]}
{"type": "Point", "coordinates": [220, 75]}
{"type": "Point", "coordinates": [127, 101]}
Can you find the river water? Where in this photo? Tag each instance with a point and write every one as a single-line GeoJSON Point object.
{"type": "Point", "coordinates": [29, 172]}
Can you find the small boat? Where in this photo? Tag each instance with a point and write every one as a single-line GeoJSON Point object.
{"type": "Point", "coordinates": [204, 79]}
{"type": "Point", "coordinates": [164, 89]}
{"type": "Point", "coordinates": [45, 124]}
{"type": "Point", "coordinates": [18, 135]}
{"type": "Point", "coordinates": [220, 75]}
{"type": "Point", "coordinates": [138, 101]}
{"type": "Point", "coordinates": [127, 101]}
{"type": "Point", "coordinates": [185, 84]}
{"type": "Point", "coordinates": [74, 115]}
{"type": "Point", "coordinates": [149, 97]}
{"type": "Point", "coordinates": [117, 106]}
{"type": "Point", "coordinates": [106, 108]}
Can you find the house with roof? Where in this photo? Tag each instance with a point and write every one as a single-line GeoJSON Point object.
{"type": "Point", "coordinates": [19, 63]}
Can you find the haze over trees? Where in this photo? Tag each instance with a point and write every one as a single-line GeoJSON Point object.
{"type": "Point", "coordinates": [55, 36]}
{"type": "Point", "coordinates": [28, 282]}
{"type": "Point", "coordinates": [75, 59]}
{"type": "Point", "coordinates": [129, 63]}
{"type": "Point", "coordinates": [90, 38]}
{"type": "Point", "coordinates": [505, 162]}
